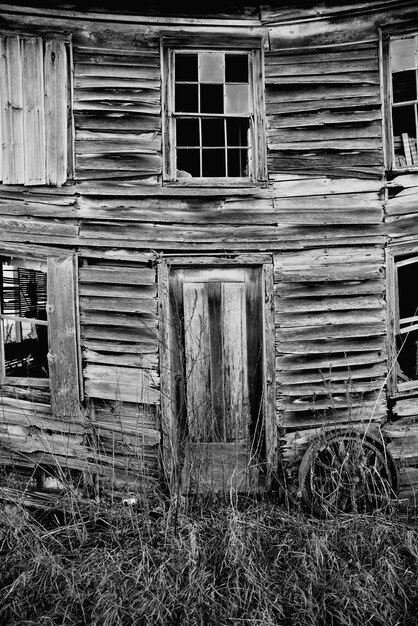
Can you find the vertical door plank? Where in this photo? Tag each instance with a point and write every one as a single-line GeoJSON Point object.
{"type": "Point", "coordinates": [217, 381]}
{"type": "Point", "coordinates": [33, 110]}
{"type": "Point", "coordinates": [62, 338]}
{"type": "Point", "coordinates": [197, 347]}
{"type": "Point", "coordinates": [254, 313]}
{"type": "Point", "coordinates": [11, 100]}
{"type": "Point", "coordinates": [56, 96]}
{"type": "Point", "coordinates": [237, 413]}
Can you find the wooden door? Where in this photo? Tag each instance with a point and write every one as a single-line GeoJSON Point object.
{"type": "Point", "coordinates": [219, 352]}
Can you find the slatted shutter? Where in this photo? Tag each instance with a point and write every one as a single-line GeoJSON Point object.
{"type": "Point", "coordinates": [62, 338]}
{"type": "Point", "coordinates": [33, 110]}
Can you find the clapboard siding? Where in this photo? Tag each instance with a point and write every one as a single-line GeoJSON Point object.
{"type": "Point", "coordinates": [347, 78]}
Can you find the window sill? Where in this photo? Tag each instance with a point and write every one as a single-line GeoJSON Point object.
{"type": "Point", "coordinates": [216, 182]}
{"type": "Point", "coordinates": [38, 383]}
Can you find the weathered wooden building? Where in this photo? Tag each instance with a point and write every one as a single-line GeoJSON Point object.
{"type": "Point", "coordinates": [209, 234]}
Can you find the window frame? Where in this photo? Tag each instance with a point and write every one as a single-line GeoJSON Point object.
{"type": "Point", "coordinates": [65, 382]}
{"type": "Point", "coordinates": [257, 150]}
{"type": "Point", "coordinates": [400, 255]}
{"type": "Point", "coordinates": [386, 36]}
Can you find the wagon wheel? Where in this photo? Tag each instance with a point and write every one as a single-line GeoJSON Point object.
{"type": "Point", "coordinates": [347, 472]}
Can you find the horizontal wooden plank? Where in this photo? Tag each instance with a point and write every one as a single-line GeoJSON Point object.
{"type": "Point", "coordinates": [143, 320]}
{"type": "Point", "coordinates": [330, 303]}
{"type": "Point", "coordinates": [108, 345]}
{"type": "Point", "coordinates": [353, 116]}
{"type": "Point", "coordinates": [314, 318]}
{"type": "Point", "coordinates": [307, 362]}
{"type": "Point", "coordinates": [109, 275]}
{"type": "Point", "coordinates": [146, 306]}
{"type": "Point", "coordinates": [305, 347]}
{"type": "Point", "coordinates": [145, 338]}
{"type": "Point", "coordinates": [354, 271]}
{"type": "Point", "coordinates": [328, 289]}
{"type": "Point", "coordinates": [117, 121]}
{"type": "Point", "coordinates": [341, 104]}
{"type": "Point", "coordinates": [105, 69]}
{"type": "Point", "coordinates": [91, 291]}
{"type": "Point", "coordinates": [146, 163]}
{"type": "Point", "coordinates": [120, 359]}
{"type": "Point", "coordinates": [126, 384]}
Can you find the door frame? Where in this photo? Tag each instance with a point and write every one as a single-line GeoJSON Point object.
{"type": "Point", "coordinates": [170, 458]}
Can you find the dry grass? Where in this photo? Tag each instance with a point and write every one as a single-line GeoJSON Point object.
{"type": "Point", "coordinates": [247, 563]}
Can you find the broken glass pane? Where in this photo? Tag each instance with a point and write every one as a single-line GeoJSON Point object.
{"type": "Point", "coordinates": [404, 136]}
{"type": "Point", "coordinates": [404, 86]}
{"type": "Point", "coordinates": [186, 68]}
{"type": "Point", "coordinates": [188, 162]}
{"type": "Point", "coordinates": [211, 67]}
{"type": "Point", "coordinates": [211, 99]}
{"type": "Point", "coordinates": [213, 132]}
{"type": "Point", "coordinates": [213, 162]}
{"type": "Point", "coordinates": [236, 68]}
{"type": "Point", "coordinates": [186, 98]}
{"type": "Point", "coordinates": [237, 131]}
{"type": "Point", "coordinates": [187, 132]}
{"type": "Point", "coordinates": [237, 162]}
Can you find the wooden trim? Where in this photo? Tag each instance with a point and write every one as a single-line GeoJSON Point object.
{"type": "Point", "coordinates": [239, 259]}
{"type": "Point", "coordinates": [168, 429]}
{"type": "Point", "coordinates": [391, 317]}
{"type": "Point", "coordinates": [269, 343]}
{"type": "Point", "coordinates": [135, 19]}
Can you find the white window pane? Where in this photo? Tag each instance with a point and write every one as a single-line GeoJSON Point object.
{"type": "Point", "coordinates": [402, 54]}
{"type": "Point", "coordinates": [237, 99]}
{"type": "Point", "coordinates": [211, 67]}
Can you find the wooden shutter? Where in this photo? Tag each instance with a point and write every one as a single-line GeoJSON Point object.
{"type": "Point", "coordinates": [62, 338]}
{"type": "Point", "coordinates": [33, 108]}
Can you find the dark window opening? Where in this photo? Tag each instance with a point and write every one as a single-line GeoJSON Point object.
{"type": "Point", "coordinates": [407, 320]}
{"type": "Point", "coordinates": [24, 319]}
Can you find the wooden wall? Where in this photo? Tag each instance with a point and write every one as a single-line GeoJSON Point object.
{"type": "Point", "coordinates": [324, 216]}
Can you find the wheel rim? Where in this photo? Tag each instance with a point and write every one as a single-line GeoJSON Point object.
{"type": "Point", "coordinates": [347, 472]}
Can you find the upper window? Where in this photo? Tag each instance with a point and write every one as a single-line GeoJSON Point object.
{"type": "Point", "coordinates": [403, 55]}
{"type": "Point", "coordinates": [213, 125]}
{"type": "Point", "coordinates": [34, 110]}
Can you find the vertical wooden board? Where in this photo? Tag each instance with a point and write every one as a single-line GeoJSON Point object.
{"type": "Point", "coordinates": [201, 422]}
{"type": "Point", "coordinates": [237, 411]}
{"type": "Point", "coordinates": [33, 110]}
{"type": "Point", "coordinates": [219, 467]}
{"type": "Point", "coordinates": [254, 316]}
{"type": "Point", "coordinates": [56, 97]}
{"type": "Point", "coordinates": [11, 100]}
{"type": "Point", "coordinates": [62, 338]}
{"type": "Point", "coordinates": [168, 427]}
{"type": "Point", "coordinates": [216, 370]}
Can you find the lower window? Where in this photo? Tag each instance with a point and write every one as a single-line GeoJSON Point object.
{"type": "Point", "coordinates": [405, 375]}
{"type": "Point", "coordinates": [24, 325]}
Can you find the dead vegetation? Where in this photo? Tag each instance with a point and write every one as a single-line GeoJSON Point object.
{"type": "Point", "coordinates": [241, 562]}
